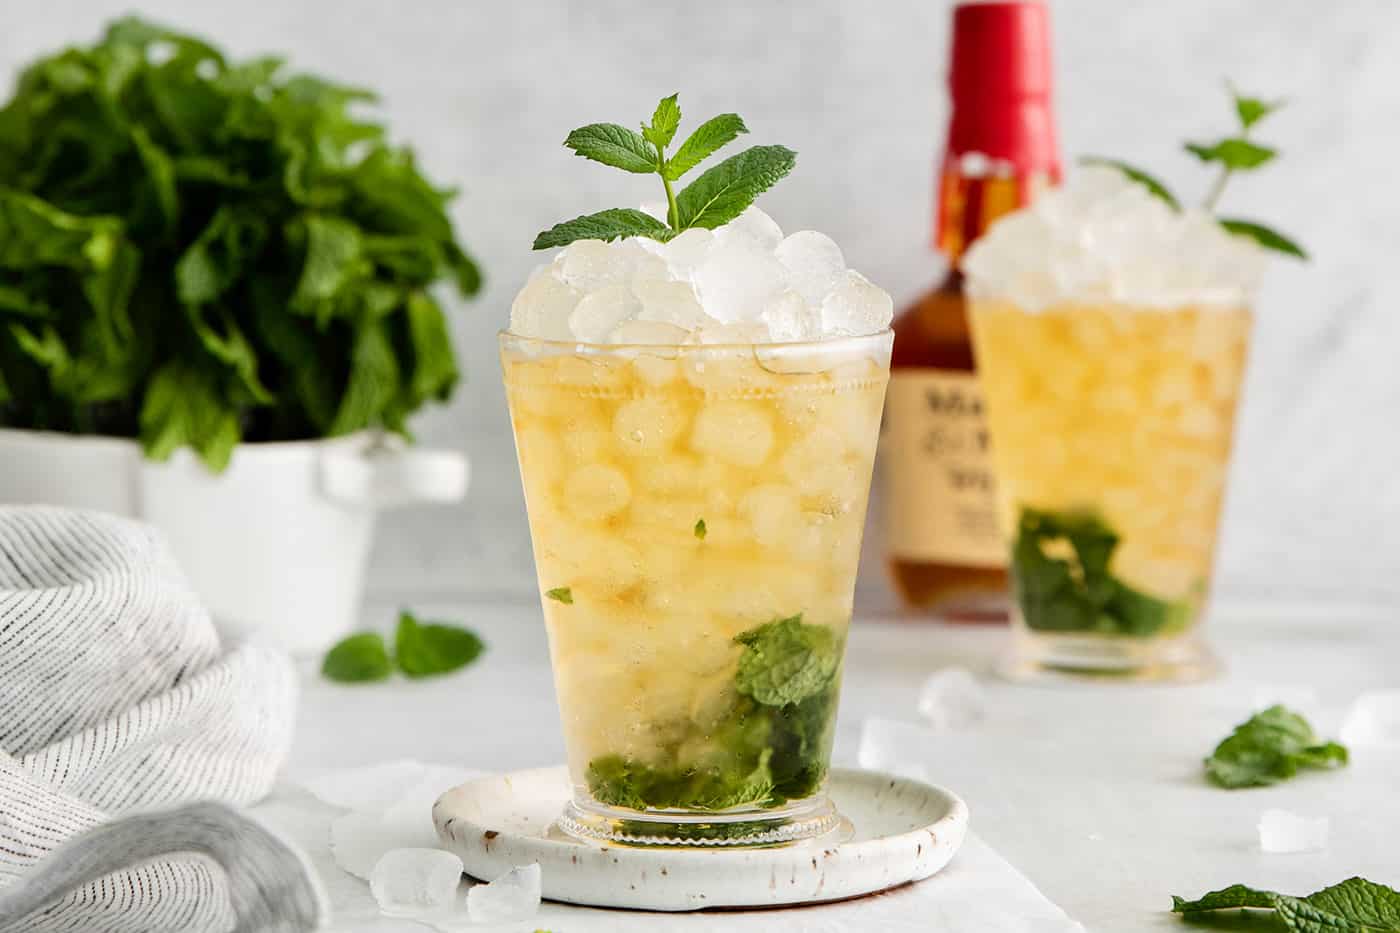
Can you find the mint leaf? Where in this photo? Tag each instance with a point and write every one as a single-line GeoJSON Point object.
{"type": "Point", "coordinates": [1353, 906]}
{"type": "Point", "coordinates": [1147, 181]}
{"type": "Point", "coordinates": [1264, 236]}
{"type": "Point", "coordinates": [1268, 748]}
{"type": "Point", "coordinates": [723, 192]}
{"type": "Point", "coordinates": [709, 137]}
{"type": "Point", "coordinates": [561, 595]}
{"type": "Point", "coordinates": [184, 407]}
{"type": "Point", "coordinates": [786, 661]}
{"type": "Point", "coordinates": [358, 659]}
{"type": "Point", "coordinates": [613, 145]}
{"type": "Point", "coordinates": [700, 530]}
{"type": "Point", "coordinates": [1237, 153]}
{"type": "Point", "coordinates": [664, 123]}
{"type": "Point", "coordinates": [1076, 591]}
{"type": "Point", "coordinates": [1251, 110]}
{"type": "Point", "coordinates": [608, 225]}
{"type": "Point", "coordinates": [426, 649]}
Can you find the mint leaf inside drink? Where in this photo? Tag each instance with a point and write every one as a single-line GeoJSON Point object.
{"type": "Point", "coordinates": [718, 196]}
{"type": "Point", "coordinates": [561, 594]}
{"type": "Point", "coordinates": [770, 745]}
{"type": "Point", "coordinates": [424, 649]}
{"type": "Point", "coordinates": [359, 658]}
{"type": "Point", "coordinates": [1270, 747]}
{"type": "Point", "coordinates": [1060, 571]}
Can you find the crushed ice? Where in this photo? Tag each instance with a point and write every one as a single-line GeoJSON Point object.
{"type": "Point", "coordinates": [1373, 720]}
{"type": "Point", "coordinates": [513, 896]}
{"type": "Point", "coordinates": [1106, 238]}
{"type": "Point", "coordinates": [744, 282]}
{"type": "Point", "coordinates": [952, 700]}
{"type": "Point", "coordinates": [415, 882]}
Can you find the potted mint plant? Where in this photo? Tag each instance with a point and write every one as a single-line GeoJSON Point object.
{"type": "Point", "coordinates": [217, 314]}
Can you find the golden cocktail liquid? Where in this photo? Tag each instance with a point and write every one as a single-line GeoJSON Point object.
{"type": "Point", "coordinates": [681, 502]}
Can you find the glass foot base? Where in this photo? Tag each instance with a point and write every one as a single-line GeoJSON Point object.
{"type": "Point", "coordinates": [1039, 658]}
{"type": "Point", "coordinates": [799, 820]}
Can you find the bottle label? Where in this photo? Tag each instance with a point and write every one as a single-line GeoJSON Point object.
{"type": "Point", "coordinates": [939, 498]}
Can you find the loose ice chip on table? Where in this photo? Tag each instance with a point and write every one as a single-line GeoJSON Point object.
{"type": "Point", "coordinates": [600, 312]}
{"type": "Point", "coordinates": [855, 306]}
{"type": "Point", "coordinates": [952, 699]}
{"type": "Point", "coordinates": [359, 838]}
{"type": "Point", "coordinates": [755, 226]}
{"type": "Point", "coordinates": [513, 896]}
{"type": "Point", "coordinates": [412, 882]}
{"type": "Point", "coordinates": [893, 747]}
{"type": "Point", "coordinates": [374, 786]}
{"type": "Point", "coordinates": [737, 279]}
{"type": "Point", "coordinates": [1373, 720]}
{"type": "Point", "coordinates": [815, 263]}
{"type": "Point", "coordinates": [1284, 833]}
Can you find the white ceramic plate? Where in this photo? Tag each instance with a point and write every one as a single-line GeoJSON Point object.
{"type": "Point", "coordinates": [904, 830]}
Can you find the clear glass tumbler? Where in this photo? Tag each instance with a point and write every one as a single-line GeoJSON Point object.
{"type": "Point", "coordinates": [1111, 433]}
{"type": "Point", "coordinates": [696, 514]}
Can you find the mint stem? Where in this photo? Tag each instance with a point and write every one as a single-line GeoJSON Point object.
{"type": "Point", "coordinates": [1217, 189]}
{"type": "Point", "coordinates": [673, 216]}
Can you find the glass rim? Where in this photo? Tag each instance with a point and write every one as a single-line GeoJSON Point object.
{"type": "Point", "coordinates": [506, 338]}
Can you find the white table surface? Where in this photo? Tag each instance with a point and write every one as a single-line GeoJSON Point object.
{"type": "Point", "coordinates": [1093, 791]}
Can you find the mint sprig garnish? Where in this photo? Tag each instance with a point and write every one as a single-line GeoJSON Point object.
{"type": "Point", "coordinates": [1233, 154]}
{"type": "Point", "coordinates": [1270, 747]}
{"type": "Point", "coordinates": [1353, 906]}
{"type": "Point", "coordinates": [719, 195]}
{"type": "Point", "coordinates": [421, 649]}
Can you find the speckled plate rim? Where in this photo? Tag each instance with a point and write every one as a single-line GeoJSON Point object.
{"type": "Point", "coordinates": [498, 822]}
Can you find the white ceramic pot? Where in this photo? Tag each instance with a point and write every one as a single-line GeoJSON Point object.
{"type": "Point", "coordinates": [276, 545]}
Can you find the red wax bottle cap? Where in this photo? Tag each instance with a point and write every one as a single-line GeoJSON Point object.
{"type": "Point", "coordinates": [1000, 81]}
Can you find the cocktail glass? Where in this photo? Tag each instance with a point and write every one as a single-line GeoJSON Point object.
{"type": "Point", "coordinates": [696, 514]}
{"type": "Point", "coordinates": [1111, 430]}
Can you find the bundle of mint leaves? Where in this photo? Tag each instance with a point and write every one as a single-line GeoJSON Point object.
{"type": "Point", "coordinates": [771, 745]}
{"type": "Point", "coordinates": [197, 252]}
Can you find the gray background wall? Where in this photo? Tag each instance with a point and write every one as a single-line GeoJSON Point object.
{"type": "Point", "coordinates": [486, 90]}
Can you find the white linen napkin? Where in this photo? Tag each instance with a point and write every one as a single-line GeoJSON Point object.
{"type": "Point", "coordinates": [126, 732]}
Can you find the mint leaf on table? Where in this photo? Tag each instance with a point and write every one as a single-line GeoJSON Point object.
{"type": "Point", "coordinates": [1264, 236]}
{"type": "Point", "coordinates": [715, 198]}
{"type": "Point", "coordinates": [1235, 153]}
{"type": "Point", "coordinates": [1352, 906]}
{"type": "Point", "coordinates": [1270, 747]}
{"type": "Point", "coordinates": [358, 659]}
{"type": "Point", "coordinates": [561, 594]}
{"type": "Point", "coordinates": [607, 226]}
{"type": "Point", "coordinates": [786, 661]}
{"type": "Point", "coordinates": [1071, 589]}
{"type": "Point", "coordinates": [1154, 186]}
{"type": "Point", "coordinates": [424, 649]}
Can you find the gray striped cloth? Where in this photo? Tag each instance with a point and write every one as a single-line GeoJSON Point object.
{"type": "Point", "coordinates": [127, 737]}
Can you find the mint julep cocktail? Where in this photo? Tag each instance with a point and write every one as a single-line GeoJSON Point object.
{"type": "Point", "coordinates": [696, 399]}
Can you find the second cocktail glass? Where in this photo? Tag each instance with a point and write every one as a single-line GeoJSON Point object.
{"type": "Point", "coordinates": [696, 513]}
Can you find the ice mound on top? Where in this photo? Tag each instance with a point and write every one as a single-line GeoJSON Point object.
{"type": "Point", "coordinates": [1106, 238]}
{"type": "Point", "coordinates": [744, 282]}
